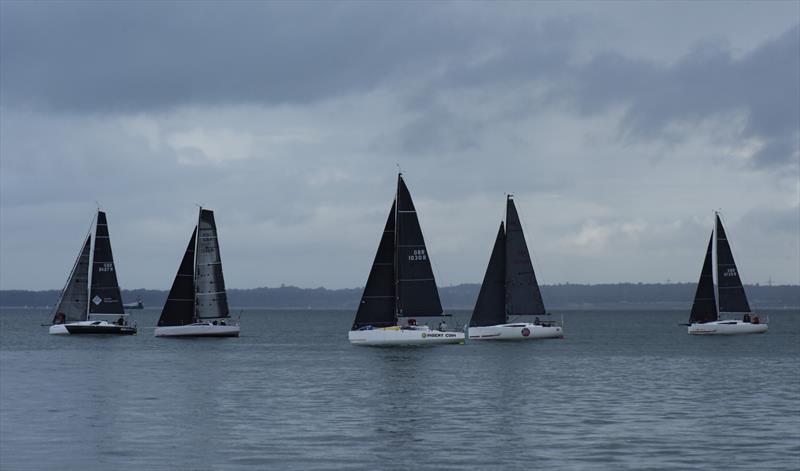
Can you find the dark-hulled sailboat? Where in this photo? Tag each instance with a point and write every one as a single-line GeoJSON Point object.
{"type": "Point", "coordinates": [91, 303]}
{"type": "Point", "coordinates": [197, 304]}
{"type": "Point", "coordinates": [510, 290]}
{"type": "Point", "coordinates": [712, 302]}
{"type": "Point", "coordinates": [400, 285]}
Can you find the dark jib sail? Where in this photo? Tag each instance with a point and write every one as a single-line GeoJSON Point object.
{"type": "Point", "coordinates": [523, 297]}
{"type": "Point", "coordinates": [704, 308]}
{"type": "Point", "coordinates": [104, 297]}
{"type": "Point", "coordinates": [417, 294]}
{"type": "Point", "coordinates": [73, 302]}
{"type": "Point", "coordinates": [377, 307]}
{"type": "Point", "coordinates": [490, 309]}
{"type": "Point", "coordinates": [732, 297]}
{"type": "Point", "coordinates": [179, 308]}
{"type": "Point", "coordinates": [211, 300]}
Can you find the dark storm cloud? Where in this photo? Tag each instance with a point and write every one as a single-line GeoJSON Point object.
{"type": "Point", "coordinates": [708, 82]}
{"type": "Point", "coordinates": [146, 55]}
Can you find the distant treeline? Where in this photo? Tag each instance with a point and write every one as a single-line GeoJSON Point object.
{"type": "Point", "coordinates": [562, 296]}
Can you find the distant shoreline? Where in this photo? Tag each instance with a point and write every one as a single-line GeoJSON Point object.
{"type": "Point", "coordinates": [620, 296]}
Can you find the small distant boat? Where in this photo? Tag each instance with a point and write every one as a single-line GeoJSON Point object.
{"type": "Point", "coordinates": [91, 303]}
{"type": "Point", "coordinates": [137, 305]}
{"type": "Point", "coordinates": [197, 304]}
{"type": "Point", "coordinates": [712, 302]}
{"type": "Point", "coordinates": [510, 290]}
{"type": "Point", "coordinates": [400, 286]}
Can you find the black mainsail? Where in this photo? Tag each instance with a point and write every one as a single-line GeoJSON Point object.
{"type": "Point", "coordinates": [72, 305]}
{"type": "Point", "coordinates": [179, 308]}
{"type": "Point", "coordinates": [523, 297]}
{"type": "Point", "coordinates": [417, 294]}
{"type": "Point", "coordinates": [704, 308]}
{"type": "Point", "coordinates": [104, 297]}
{"type": "Point", "coordinates": [509, 287]}
{"type": "Point", "coordinates": [732, 297]}
{"type": "Point", "coordinates": [211, 300]}
{"type": "Point", "coordinates": [401, 281]}
{"type": "Point", "coordinates": [490, 309]}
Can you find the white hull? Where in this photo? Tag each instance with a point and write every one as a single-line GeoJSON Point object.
{"type": "Point", "coordinates": [727, 327]}
{"type": "Point", "coordinates": [518, 331]}
{"type": "Point", "coordinates": [395, 336]}
{"type": "Point", "coordinates": [201, 329]}
{"type": "Point", "coordinates": [91, 328]}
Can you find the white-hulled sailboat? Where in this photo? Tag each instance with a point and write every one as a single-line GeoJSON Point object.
{"type": "Point", "coordinates": [197, 304]}
{"type": "Point", "coordinates": [510, 290]}
{"type": "Point", "coordinates": [400, 286]}
{"type": "Point", "coordinates": [91, 303]}
{"type": "Point", "coordinates": [708, 311]}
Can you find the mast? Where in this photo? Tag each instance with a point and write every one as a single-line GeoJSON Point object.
{"type": "Point", "coordinates": [396, 276]}
{"type": "Point", "coordinates": [715, 267]}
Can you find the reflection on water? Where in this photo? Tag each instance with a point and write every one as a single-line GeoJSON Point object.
{"type": "Point", "coordinates": [624, 390]}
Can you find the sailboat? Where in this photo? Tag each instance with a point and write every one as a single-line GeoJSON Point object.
{"type": "Point", "coordinates": [90, 302]}
{"type": "Point", "coordinates": [510, 290]}
{"type": "Point", "coordinates": [197, 304]}
{"type": "Point", "coordinates": [137, 305]}
{"type": "Point", "coordinates": [400, 286]}
{"type": "Point", "coordinates": [726, 297]}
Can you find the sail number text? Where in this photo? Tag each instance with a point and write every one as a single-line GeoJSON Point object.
{"type": "Point", "coordinates": [418, 254]}
{"type": "Point", "coordinates": [730, 272]}
{"type": "Point", "coordinates": [106, 267]}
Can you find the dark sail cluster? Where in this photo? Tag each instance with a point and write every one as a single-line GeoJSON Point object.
{"type": "Point", "coordinates": [509, 286]}
{"type": "Point", "coordinates": [401, 281]}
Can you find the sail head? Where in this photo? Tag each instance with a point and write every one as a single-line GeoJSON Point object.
{"type": "Point", "coordinates": [490, 308]}
{"type": "Point", "coordinates": [179, 308]}
{"type": "Point", "coordinates": [211, 299]}
{"type": "Point", "coordinates": [377, 306]}
{"type": "Point", "coordinates": [417, 294]}
{"type": "Point", "coordinates": [72, 305]}
{"type": "Point", "coordinates": [523, 296]}
{"type": "Point", "coordinates": [704, 308]}
{"type": "Point", "coordinates": [732, 297]}
{"type": "Point", "coordinates": [105, 296]}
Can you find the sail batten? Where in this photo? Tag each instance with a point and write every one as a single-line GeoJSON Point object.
{"type": "Point", "coordinates": [179, 308]}
{"type": "Point", "coordinates": [105, 296]}
{"type": "Point", "coordinates": [211, 299]}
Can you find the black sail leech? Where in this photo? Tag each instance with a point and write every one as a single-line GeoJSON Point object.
{"type": "Point", "coordinates": [704, 308]}
{"type": "Point", "coordinates": [377, 307]}
{"type": "Point", "coordinates": [417, 294]}
{"type": "Point", "coordinates": [490, 307]}
{"type": "Point", "coordinates": [522, 291]}
{"type": "Point", "coordinates": [105, 297]}
{"type": "Point", "coordinates": [732, 297]}
{"type": "Point", "coordinates": [179, 308]}
{"type": "Point", "coordinates": [211, 300]}
{"type": "Point", "coordinates": [73, 302]}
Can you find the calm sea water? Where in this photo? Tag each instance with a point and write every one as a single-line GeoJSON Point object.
{"type": "Point", "coordinates": [623, 390]}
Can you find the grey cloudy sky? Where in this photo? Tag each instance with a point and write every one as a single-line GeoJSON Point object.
{"type": "Point", "coordinates": [618, 126]}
